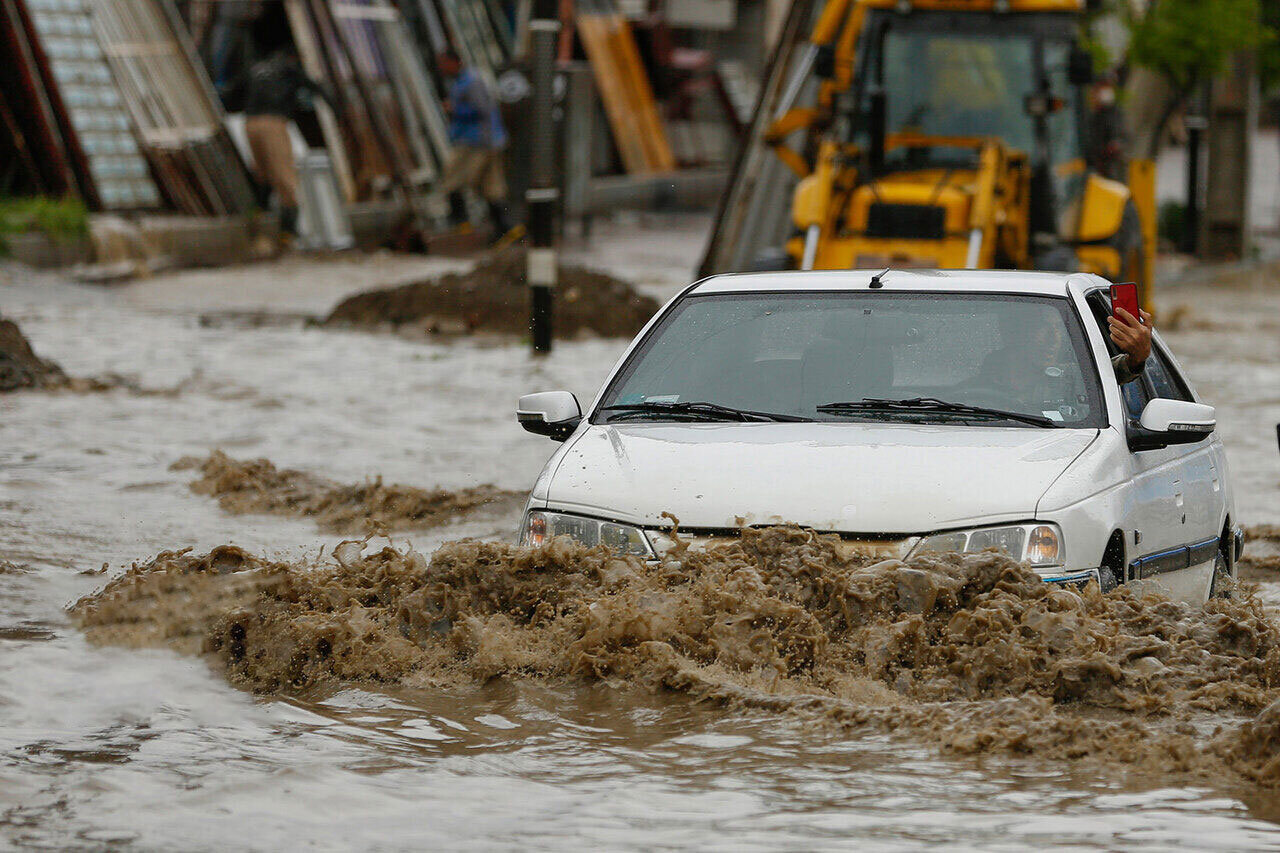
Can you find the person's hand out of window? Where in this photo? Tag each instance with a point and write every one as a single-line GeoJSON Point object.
{"type": "Point", "coordinates": [1133, 336]}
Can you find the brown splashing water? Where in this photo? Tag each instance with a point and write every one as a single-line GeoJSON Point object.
{"type": "Point", "coordinates": [972, 652]}
{"type": "Point", "coordinates": [1261, 560]}
{"type": "Point", "coordinates": [257, 486]}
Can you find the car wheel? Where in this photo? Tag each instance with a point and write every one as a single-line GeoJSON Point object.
{"type": "Point", "coordinates": [1222, 581]}
{"type": "Point", "coordinates": [1107, 578]}
{"type": "Point", "coordinates": [1111, 572]}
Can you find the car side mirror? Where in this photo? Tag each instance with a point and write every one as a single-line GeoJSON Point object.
{"type": "Point", "coordinates": [555, 414]}
{"type": "Point", "coordinates": [1166, 422]}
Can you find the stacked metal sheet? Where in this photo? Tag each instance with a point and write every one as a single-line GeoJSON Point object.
{"type": "Point", "coordinates": [96, 110]}
{"type": "Point", "coordinates": [171, 103]}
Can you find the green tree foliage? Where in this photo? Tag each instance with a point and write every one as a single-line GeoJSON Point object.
{"type": "Point", "coordinates": [1269, 47]}
{"type": "Point", "coordinates": [1189, 41]}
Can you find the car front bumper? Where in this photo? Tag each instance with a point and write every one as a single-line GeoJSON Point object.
{"type": "Point", "coordinates": [1069, 577]}
{"type": "Point", "coordinates": [879, 549]}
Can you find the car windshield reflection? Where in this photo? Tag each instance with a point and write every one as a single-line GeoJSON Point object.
{"type": "Point", "coordinates": [793, 354]}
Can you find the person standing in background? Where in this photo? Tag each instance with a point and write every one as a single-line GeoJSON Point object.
{"type": "Point", "coordinates": [479, 138]}
{"type": "Point", "coordinates": [273, 98]}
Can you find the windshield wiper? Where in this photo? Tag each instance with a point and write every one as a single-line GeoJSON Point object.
{"type": "Point", "coordinates": [704, 411]}
{"type": "Point", "coordinates": [932, 404]}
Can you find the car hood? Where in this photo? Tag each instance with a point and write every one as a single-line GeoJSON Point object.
{"type": "Point", "coordinates": [853, 478]}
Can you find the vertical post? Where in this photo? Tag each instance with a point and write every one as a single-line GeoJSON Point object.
{"type": "Point", "coordinates": [543, 195]}
{"type": "Point", "coordinates": [1195, 123]}
{"type": "Point", "coordinates": [577, 135]}
{"type": "Point", "coordinates": [1233, 117]}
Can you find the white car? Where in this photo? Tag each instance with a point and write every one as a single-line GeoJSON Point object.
{"type": "Point", "coordinates": [906, 411]}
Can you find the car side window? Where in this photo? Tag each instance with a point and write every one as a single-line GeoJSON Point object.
{"type": "Point", "coordinates": [1165, 383]}
{"type": "Point", "coordinates": [1135, 394]}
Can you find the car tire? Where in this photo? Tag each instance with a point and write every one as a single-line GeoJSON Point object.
{"type": "Point", "coordinates": [1222, 582]}
{"type": "Point", "coordinates": [1111, 570]}
{"type": "Point", "coordinates": [1107, 578]}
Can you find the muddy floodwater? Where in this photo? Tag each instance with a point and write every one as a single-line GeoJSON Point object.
{"type": "Point", "coordinates": [115, 738]}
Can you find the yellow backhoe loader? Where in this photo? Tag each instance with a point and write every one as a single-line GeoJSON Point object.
{"type": "Point", "coordinates": [933, 133]}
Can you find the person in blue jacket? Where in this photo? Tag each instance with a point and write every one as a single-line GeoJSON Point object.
{"type": "Point", "coordinates": [478, 138]}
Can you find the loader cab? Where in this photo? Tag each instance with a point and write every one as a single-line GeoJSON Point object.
{"type": "Point", "coordinates": [951, 81]}
{"type": "Point", "coordinates": [938, 134]}
{"type": "Point", "coordinates": [935, 89]}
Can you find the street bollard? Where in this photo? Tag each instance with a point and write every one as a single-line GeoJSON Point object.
{"type": "Point", "coordinates": [543, 195]}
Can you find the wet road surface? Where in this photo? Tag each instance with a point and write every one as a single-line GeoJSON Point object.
{"type": "Point", "coordinates": [147, 749]}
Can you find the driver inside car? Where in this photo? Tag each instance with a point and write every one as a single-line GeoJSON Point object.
{"type": "Point", "coordinates": [1036, 364]}
{"type": "Point", "coordinates": [1036, 367]}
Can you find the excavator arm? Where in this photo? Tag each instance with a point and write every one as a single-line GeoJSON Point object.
{"type": "Point", "coordinates": [830, 55]}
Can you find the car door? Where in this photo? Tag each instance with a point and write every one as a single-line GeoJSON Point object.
{"type": "Point", "coordinates": [1203, 504]}
{"type": "Point", "coordinates": [1156, 537]}
{"type": "Point", "coordinates": [1165, 512]}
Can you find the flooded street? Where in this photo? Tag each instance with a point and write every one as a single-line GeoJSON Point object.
{"type": "Point", "coordinates": [103, 746]}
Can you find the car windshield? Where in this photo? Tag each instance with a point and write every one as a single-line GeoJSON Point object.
{"type": "Point", "coordinates": [797, 354]}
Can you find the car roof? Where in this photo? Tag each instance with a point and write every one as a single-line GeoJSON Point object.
{"type": "Point", "coordinates": [975, 281]}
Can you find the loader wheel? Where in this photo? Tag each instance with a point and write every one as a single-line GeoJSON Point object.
{"type": "Point", "coordinates": [1057, 259]}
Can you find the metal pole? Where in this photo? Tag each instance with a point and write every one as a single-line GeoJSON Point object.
{"type": "Point", "coordinates": [543, 195]}
{"type": "Point", "coordinates": [1195, 124]}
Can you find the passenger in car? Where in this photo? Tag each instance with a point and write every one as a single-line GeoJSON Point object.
{"type": "Point", "coordinates": [1132, 335]}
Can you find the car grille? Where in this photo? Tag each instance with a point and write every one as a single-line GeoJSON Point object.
{"type": "Point", "coordinates": [886, 549]}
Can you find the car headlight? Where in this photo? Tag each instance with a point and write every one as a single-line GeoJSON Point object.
{"type": "Point", "coordinates": [1038, 544]}
{"type": "Point", "coordinates": [541, 526]}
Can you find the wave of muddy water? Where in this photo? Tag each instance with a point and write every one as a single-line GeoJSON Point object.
{"type": "Point", "coordinates": [257, 486]}
{"type": "Point", "coordinates": [973, 651]}
{"type": "Point", "coordinates": [153, 749]}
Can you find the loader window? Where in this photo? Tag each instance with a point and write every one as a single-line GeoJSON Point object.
{"type": "Point", "coordinates": [958, 85]}
{"type": "Point", "coordinates": [1066, 147]}
{"type": "Point", "coordinates": [1065, 143]}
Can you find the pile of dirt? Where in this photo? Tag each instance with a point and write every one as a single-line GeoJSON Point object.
{"type": "Point", "coordinates": [973, 652]}
{"type": "Point", "coordinates": [257, 486]}
{"type": "Point", "coordinates": [20, 367]}
{"type": "Point", "coordinates": [494, 297]}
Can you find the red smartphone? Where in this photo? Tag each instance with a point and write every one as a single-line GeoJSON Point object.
{"type": "Point", "coordinates": [1125, 296]}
